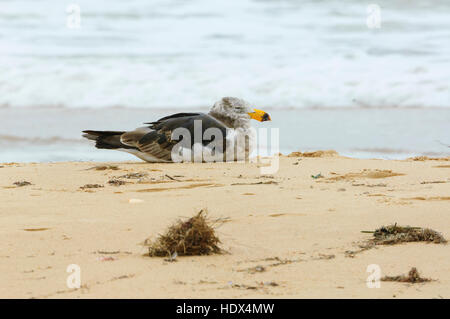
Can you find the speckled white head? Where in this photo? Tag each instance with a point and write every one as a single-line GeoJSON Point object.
{"type": "Point", "coordinates": [235, 112]}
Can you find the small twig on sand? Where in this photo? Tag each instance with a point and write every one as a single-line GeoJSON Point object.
{"type": "Point", "coordinates": [170, 177]}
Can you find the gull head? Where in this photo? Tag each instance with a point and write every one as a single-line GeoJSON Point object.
{"type": "Point", "coordinates": [235, 112]}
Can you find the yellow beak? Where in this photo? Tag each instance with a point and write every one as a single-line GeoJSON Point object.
{"type": "Point", "coordinates": [259, 115]}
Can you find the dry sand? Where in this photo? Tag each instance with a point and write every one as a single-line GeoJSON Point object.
{"type": "Point", "coordinates": [287, 234]}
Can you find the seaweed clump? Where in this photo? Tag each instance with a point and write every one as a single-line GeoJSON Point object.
{"type": "Point", "coordinates": [22, 183]}
{"type": "Point", "coordinates": [116, 182]}
{"type": "Point", "coordinates": [393, 234]}
{"type": "Point", "coordinates": [91, 186]}
{"type": "Point", "coordinates": [192, 237]}
{"type": "Point", "coordinates": [412, 277]}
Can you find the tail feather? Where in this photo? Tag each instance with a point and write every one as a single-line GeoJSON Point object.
{"type": "Point", "coordinates": [106, 139]}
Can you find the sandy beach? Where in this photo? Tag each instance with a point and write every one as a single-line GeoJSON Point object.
{"type": "Point", "coordinates": [287, 235]}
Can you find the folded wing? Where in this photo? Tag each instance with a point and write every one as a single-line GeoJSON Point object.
{"type": "Point", "coordinates": [157, 140]}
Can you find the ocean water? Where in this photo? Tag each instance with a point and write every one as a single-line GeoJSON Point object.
{"type": "Point", "coordinates": [54, 134]}
{"type": "Point", "coordinates": [329, 79]}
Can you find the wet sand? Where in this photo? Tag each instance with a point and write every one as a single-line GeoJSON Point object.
{"type": "Point", "coordinates": [287, 235]}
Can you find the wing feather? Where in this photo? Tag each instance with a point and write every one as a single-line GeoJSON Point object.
{"type": "Point", "coordinates": [131, 138]}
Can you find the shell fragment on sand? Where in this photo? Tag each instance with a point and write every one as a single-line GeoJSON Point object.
{"type": "Point", "coordinates": [135, 201]}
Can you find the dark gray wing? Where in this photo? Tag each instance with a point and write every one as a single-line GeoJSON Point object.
{"type": "Point", "coordinates": [159, 142]}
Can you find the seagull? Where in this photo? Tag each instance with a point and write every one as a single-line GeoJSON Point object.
{"type": "Point", "coordinates": [228, 119]}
